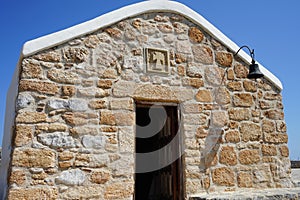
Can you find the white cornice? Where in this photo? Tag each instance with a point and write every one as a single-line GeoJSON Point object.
{"type": "Point", "coordinates": [54, 39]}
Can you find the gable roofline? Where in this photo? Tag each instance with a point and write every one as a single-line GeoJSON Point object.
{"type": "Point", "coordinates": [57, 38]}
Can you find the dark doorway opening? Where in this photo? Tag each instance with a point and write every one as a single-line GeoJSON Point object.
{"type": "Point", "coordinates": [166, 182]}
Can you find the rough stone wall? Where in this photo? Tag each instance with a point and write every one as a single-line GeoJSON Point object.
{"type": "Point", "coordinates": [74, 130]}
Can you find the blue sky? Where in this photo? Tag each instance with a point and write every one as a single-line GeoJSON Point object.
{"type": "Point", "coordinates": [272, 28]}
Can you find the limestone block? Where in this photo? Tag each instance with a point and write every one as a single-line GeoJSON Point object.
{"type": "Point", "coordinates": [224, 59]}
{"type": "Point", "coordinates": [195, 70]}
{"type": "Point", "coordinates": [63, 76]}
{"type": "Point", "coordinates": [219, 119]}
{"type": "Point", "coordinates": [33, 158]}
{"type": "Point", "coordinates": [222, 96]}
{"type": "Point", "coordinates": [248, 157]}
{"type": "Point", "coordinates": [38, 86]}
{"type": "Point", "coordinates": [31, 117]}
{"type": "Point", "coordinates": [228, 156]}
{"type": "Point", "coordinates": [193, 108]}
{"type": "Point", "coordinates": [94, 142]}
{"type": "Point", "coordinates": [239, 114]}
{"type": "Point", "coordinates": [25, 100]}
{"type": "Point", "coordinates": [181, 28]}
{"type": "Point", "coordinates": [214, 75]}
{"type": "Point", "coordinates": [250, 132]}
{"type": "Point", "coordinates": [71, 177]}
{"type": "Point", "coordinates": [91, 41]}
{"type": "Point", "coordinates": [243, 100]}
{"type": "Point", "coordinates": [57, 140]}
{"type": "Point", "coordinates": [203, 54]}
{"type": "Point", "coordinates": [124, 88]}
{"type": "Point", "coordinates": [82, 192]}
{"type": "Point", "coordinates": [223, 176]}
{"type": "Point", "coordinates": [195, 35]}
{"type": "Point", "coordinates": [24, 135]}
{"type": "Point", "coordinates": [33, 193]}
{"type": "Point", "coordinates": [183, 47]}
{"type": "Point", "coordinates": [126, 139]}
{"type": "Point", "coordinates": [155, 93]}
{"type": "Point", "coordinates": [75, 54]}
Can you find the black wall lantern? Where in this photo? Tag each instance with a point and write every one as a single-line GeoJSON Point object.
{"type": "Point", "coordinates": [254, 71]}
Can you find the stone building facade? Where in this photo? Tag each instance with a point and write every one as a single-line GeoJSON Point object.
{"type": "Point", "coordinates": [75, 123]}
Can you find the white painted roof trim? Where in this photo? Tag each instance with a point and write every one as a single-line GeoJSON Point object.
{"type": "Point", "coordinates": [54, 39]}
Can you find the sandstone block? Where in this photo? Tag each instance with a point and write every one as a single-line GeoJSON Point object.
{"type": "Point", "coordinates": [243, 100]}
{"type": "Point", "coordinates": [92, 41]}
{"type": "Point", "coordinates": [203, 54]}
{"type": "Point", "coordinates": [122, 104]}
{"type": "Point", "coordinates": [281, 126]}
{"type": "Point", "coordinates": [181, 70]}
{"type": "Point", "coordinates": [68, 90]}
{"type": "Point", "coordinates": [75, 119]}
{"type": "Point", "coordinates": [250, 132]}
{"type": "Point", "coordinates": [274, 114]}
{"type": "Point", "coordinates": [18, 177]}
{"type": "Point", "coordinates": [204, 96]}
{"type": "Point", "coordinates": [284, 151]}
{"type": "Point", "coordinates": [183, 47]}
{"type": "Point", "coordinates": [249, 157]}
{"type": "Point", "coordinates": [235, 86]}
{"type": "Point", "coordinates": [223, 176]}
{"type": "Point", "coordinates": [239, 114]}
{"type": "Point", "coordinates": [33, 158]}
{"type": "Point", "coordinates": [250, 86]}
{"type": "Point", "coordinates": [71, 177]}
{"type": "Point", "coordinates": [33, 193]}
{"type": "Point", "coordinates": [114, 33]}
{"type": "Point", "coordinates": [224, 59]}
{"type": "Point", "coordinates": [230, 74]}
{"type": "Point", "coordinates": [165, 28]}
{"type": "Point", "coordinates": [98, 104]}
{"type": "Point", "coordinates": [38, 86]}
{"type": "Point", "coordinates": [228, 156]}
{"type": "Point", "coordinates": [120, 190]}
{"type": "Point", "coordinates": [268, 126]}
{"type": "Point", "coordinates": [24, 135]}
{"type": "Point", "coordinates": [241, 71]}
{"type": "Point", "coordinates": [269, 150]}
{"type": "Point", "coordinates": [65, 155]}
{"type": "Point", "coordinates": [194, 70]}
{"type": "Point", "coordinates": [31, 117]}
{"type": "Point", "coordinates": [75, 54]}
{"type": "Point", "coordinates": [155, 93]}
{"type": "Point", "coordinates": [275, 138]}
{"type": "Point", "coordinates": [51, 56]}
{"type": "Point", "coordinates": [245, 180]}
{"type": "Point", "coordinates": [232, 137]}
{"type": "Point", "coordinates": [124, 88]}
{"type": "Point", "coordinates": [31, 69]}
{"type": "Point", "coordinates": [192, 108]}
{"type": "Point", "coordinates": [195, 35]}
{"type": "Point", "coordinates": [100, 177]}
{"type": "Point", "coordinates": [104, 84]}
{"type": "Point", "coordinates": [82, 192]}
{"type": "Point", "coordinates": [194, 82]}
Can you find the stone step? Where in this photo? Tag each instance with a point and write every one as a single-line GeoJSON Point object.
{"type": "Point", "coordinates": [270, 194]}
